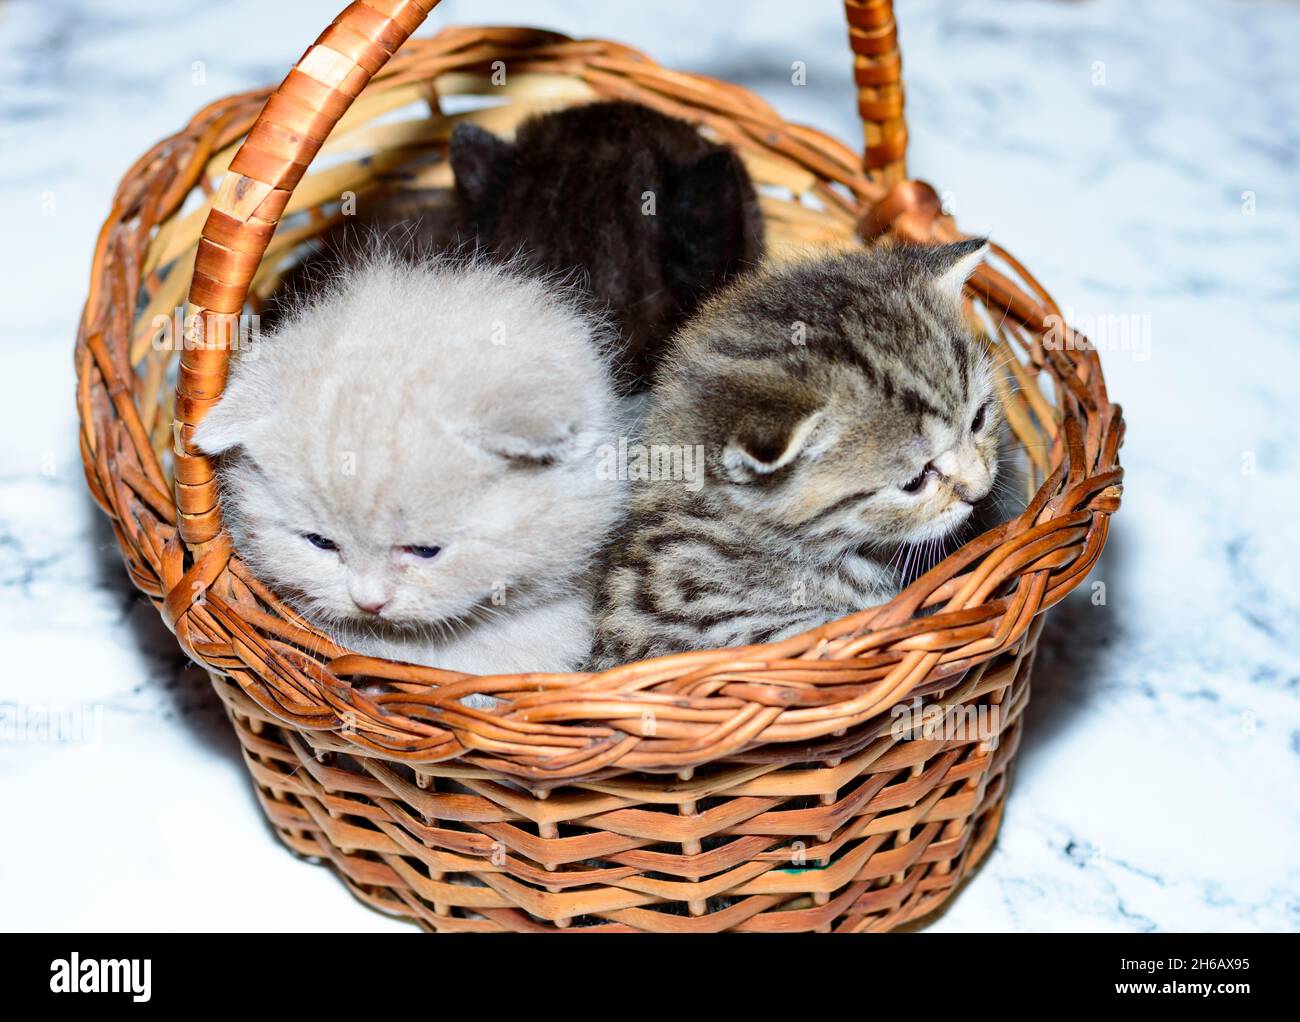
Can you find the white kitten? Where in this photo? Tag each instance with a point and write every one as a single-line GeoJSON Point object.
{"type": "Point", "coordinates": [410, 460]}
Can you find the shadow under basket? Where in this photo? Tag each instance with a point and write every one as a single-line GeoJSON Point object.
{"type": "Point", "coordinates": [847, 779]}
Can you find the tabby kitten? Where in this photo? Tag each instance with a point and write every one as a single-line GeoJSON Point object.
{"type": "Point", "coordinates": [651, 215]}
{"type": "Point", "coordinates": [849, 425]}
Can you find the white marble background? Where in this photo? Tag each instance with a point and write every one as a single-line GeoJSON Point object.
{"type": "Point", "coordinates": [1157, 784]}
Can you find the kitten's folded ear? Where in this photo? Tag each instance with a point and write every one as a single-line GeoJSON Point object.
{"type": "Point", "coordinates": [528, 433]}
{"type": "Point", "coordinates": [715, 222]}
{"type": "Point", "coordinates": [711, 181]}
{"type": "Point", "coordinates": [478, 160]}
{"type": "Point", "coordinates": [771, 433]}
{"type": "Point", "coordinates": [953, 264]}
{"type": "Point", "coordinates": [540, 450]}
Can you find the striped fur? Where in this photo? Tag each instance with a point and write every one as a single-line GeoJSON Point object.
{"type": "Point", "coordinates": [849, 425]}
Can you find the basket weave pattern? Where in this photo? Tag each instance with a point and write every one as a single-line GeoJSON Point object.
{"type": "Point", "coordinates": [766, 788]}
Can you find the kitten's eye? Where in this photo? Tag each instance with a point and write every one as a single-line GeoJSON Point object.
{"type": "Point", "coordinates": [977, 423]}
{"type": "Point", "coordinates": [427, 552]}
{"type": "Point", "coordinates": [320, 541]}
{"type": "Point", "coordinates": [912, 485]}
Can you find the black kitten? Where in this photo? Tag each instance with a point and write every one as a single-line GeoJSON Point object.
{"type": "Point", "coordinates": [653, 214]}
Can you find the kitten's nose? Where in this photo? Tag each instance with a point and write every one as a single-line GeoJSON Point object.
{"type": "Point", "coordinates": [368, 591]}
{"type": "Point", "coordinates": [973, 487]}
{"type": "Point", "coordinates": [971, 479]}
{"type": "Point", "coordinates": [970, 494]}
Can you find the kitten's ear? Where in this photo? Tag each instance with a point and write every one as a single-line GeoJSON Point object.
{"type": "Point", "coordinates": [715, 209]}
{"type": "Point", "coordinates": [772, 434]}
{"type": "Point", "coordinates": [527, 450]}
{"type": "Point", "coordinates": [953, 264]}
{"type": "Point", "coordinates": [478, 159]}
{"type": "Point", "coordinates": [528, 435]}
{"type": "Point", "coordinates": [712, 180]}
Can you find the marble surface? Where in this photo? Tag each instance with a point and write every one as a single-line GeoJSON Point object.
{"type": "Point", "coordinates": [1140, 158]}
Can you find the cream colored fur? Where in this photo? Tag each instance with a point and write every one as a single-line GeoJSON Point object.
{"type": "Point", "coordinates": [427, 404]}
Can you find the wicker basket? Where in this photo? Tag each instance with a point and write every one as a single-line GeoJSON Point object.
{"type": "Point", "coordinates": [767, 788]}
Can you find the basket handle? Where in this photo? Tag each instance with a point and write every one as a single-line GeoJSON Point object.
{"type": "Point", "coordinates": [292, 126]}
{"type": "Point", "coordinates": [878, 74]}
{"type": "Point", "coordinates": [289, 131]}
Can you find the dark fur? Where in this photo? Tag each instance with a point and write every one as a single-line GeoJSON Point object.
{"type": "Point", "coordinates": [569, 193]}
